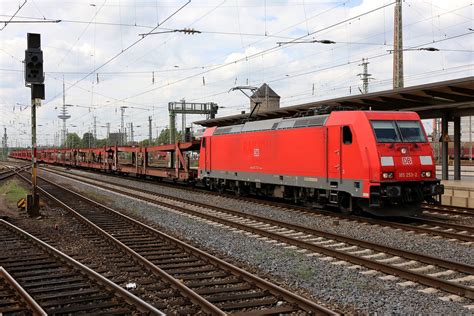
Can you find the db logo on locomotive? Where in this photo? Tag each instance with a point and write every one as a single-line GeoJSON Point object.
{"type": "Point", "coordinates": [407, 161]}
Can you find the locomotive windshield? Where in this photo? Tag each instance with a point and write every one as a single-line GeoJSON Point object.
{"type": "Point", "coordinates": [398, 131]}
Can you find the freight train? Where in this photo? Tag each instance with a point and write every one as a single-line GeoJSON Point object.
{"type": "Point", "coordinates": [376, 162]}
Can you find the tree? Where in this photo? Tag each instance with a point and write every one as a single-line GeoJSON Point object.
{"type": "Point", "coordinates": [164, 137]}
{"type": "Point", "coordinates": [73, 140]}
{"type": "Point", "coordinates": [144, 143]}
{"type": "Point", "coordinates": [100, 142]}
{"type": "Point", "coordinates": [87, 140]}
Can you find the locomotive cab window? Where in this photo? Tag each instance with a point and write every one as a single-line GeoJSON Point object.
{"type": "Point", "coordinates": [385, 131]}
{"type": "Point", "coordinates": [398, 131]}
{"type": "Point", "coordinates": [346, 135]}
{"type": "Point", "coordinates": [411, 131]}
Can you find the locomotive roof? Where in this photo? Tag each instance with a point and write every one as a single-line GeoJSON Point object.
{"type": "Point", "coordinates": [279, 123]}
{"type": "Point", "coordinates": [428, 100]}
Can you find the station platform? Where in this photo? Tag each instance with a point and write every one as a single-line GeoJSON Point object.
{"type": "Point", "coordinates": [458, 193]}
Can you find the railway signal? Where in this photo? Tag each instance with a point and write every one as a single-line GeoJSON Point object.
{"type": "Point", "coordinates": [34, 78]}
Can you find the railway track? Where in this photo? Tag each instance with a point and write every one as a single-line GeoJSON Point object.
{"type": "Point", "coordinates": [448, 210]}
{"type": "Point", "coordinates": [59, 284]}
{"type": "Point", "coordinates": [216, 286]}
{"type": "Point", "coordinates": [14, 300]}
{"type": "Point", "coordinates": [432, 272]}
{"type": "Point", "coordinates": [418, 225]}
{"type": "Point", "coordinates": [11, 171]}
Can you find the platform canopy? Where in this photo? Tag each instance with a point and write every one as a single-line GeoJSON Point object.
{"type": "Point", "coordinates": [452, 97]}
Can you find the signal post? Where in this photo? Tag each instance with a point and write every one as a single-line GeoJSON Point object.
{"type": "Point", "coordinates": [34, 78]}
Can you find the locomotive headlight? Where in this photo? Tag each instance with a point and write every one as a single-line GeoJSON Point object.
{"type": "Point", "coordinates": [426, 174]}
{"type": "Point", "coordinates": [387, 175]}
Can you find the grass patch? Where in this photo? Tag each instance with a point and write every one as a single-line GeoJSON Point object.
{"type": "Point", "coordinates": [94, 195]}
{"type": "Point", "coordinates": [289, 253]}
{"type": "Point", "coordinates": [12, 191]}
{"type": "Point", "coordinates": [304, 272]}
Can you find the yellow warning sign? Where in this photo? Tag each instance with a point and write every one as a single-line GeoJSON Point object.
{"type": "Point", "coordinates": [21, 203]}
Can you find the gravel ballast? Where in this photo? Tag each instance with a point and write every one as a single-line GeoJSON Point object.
{"type": "Point", "coordinates": [456, 251]}
{"type": "Point", "coordinates": [346, 288]}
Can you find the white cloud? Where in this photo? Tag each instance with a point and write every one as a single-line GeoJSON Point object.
{"type": "Point", "coordinates": [180, 61]}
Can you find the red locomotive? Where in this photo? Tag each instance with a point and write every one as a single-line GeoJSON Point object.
{"type": "Point", "coordinates": [378, 162]}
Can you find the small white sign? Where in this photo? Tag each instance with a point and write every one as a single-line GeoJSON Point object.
{"type": "Point", "coordinates": [256, 152]}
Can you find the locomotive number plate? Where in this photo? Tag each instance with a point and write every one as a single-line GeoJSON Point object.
{"type": "Point", "coordinates": [408, 175]}
{"type": "Point", "coordinates": [407, 161]}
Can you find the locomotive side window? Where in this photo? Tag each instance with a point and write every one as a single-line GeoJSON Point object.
{"type": "Point", "coordinates": [411, 131]}
{"type": "Point", "coordinates": [386, 131]}
{"type": "Point", "coordinates": [346, 135]}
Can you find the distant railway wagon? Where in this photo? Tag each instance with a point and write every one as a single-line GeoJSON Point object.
{"type": "Point", "coordinates": [378, 162]}
{"type": "Point", "coordinates": [153, 161]}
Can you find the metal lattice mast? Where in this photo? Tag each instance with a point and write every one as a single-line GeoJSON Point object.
{"type": "Point", "coordinates": [95, 130]}
{"type": "Point", "coordinates": [398, 47]}
{"type": "Point", "coordinates": [122, 125]}
{"type": "Point", "coordinates": [150, 136]}
{"type": "Point", "coordinates": [365, 76]}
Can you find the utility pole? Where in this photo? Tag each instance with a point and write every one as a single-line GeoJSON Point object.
{"type": "Point", "coordinates": [131, 132]}
{"type": "Point", "coordinates": [95, 130]}
{"type": "Point", "coordinates": [365, 76]}
{"type": "Point", "coordinates": [5, 144]}
{"type": "Point", "coordinates": [398, 46]}
{"type": "Point", "coordinates": [122, 125]}
{"type": "Point", "coordinates": [470, 138]}
{"type": "Point", "coordinates": [150, 136]}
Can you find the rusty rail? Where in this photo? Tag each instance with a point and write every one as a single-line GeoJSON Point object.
{"type": "Point", "coordinates": [275, 290]}
{"type": "Point", "coordinates": [34, 307]}
{"type": "Point", "coordinates": [372, 264]}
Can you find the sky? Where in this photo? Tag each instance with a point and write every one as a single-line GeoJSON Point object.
{"type": "Point", "coordinates": [106, 64]}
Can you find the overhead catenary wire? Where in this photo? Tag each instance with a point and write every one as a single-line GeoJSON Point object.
{"type": "Point", "coordinates": [13, 16]}
{"type": "Point", "coordinates": [258, 53]}
{"type": "Point", "coordinates": [125, 49]}
{"type": "Point", "coordinates": [211, 82]}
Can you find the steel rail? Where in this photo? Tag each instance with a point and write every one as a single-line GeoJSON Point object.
{"type": "Point", "coordinates": [359, 219]}
{"type": "Point", "coordinates": [446, 209]}
{"type": "Point", "coordinates": [441, 224]}
{"type": "Point", "coordinates": [431, 231]}
{"type": "Point", "coordinates": [91, 274]}
{"type": "Point", "coordinates": [404, 273]}
{"type": "Point", "coordinates": [183, 289]}
{"type": "Point", "coordinates": [358, 242]}
{"type": "Point", "coordinates": [34, 306]}
{"type": "Point", "coordinates": [274, 289]}
{"type": "Point", "coordinates": [372, 221]}
{"type": "Point", "coordinates": [11, 171]}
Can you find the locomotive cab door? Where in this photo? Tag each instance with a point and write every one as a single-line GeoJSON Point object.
{"type": "Point", "coordinates": [334, 155]}
{"type": "Point", "coordinates": [206, 145]}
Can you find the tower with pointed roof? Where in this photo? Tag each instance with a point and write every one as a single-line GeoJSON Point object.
{"type": "Point", "coordinates": [267, 99]}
